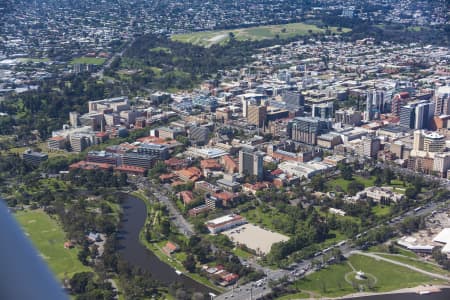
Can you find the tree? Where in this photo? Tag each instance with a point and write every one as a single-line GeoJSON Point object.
{"type": "Point", "coordinates": [165, 227]}
{"type": "Point", "coordinates": [354, 187]}
{"type": "Point", "coordinates": [388, 175]}
{"type": "Point", "coordinates": [83, 255]}
{"type": "Point", "coordinates": [318, 183]}
{"type": "Point", "coordinates": [411, 193]}
{"type": "Point", "coordinates": [346, 171]}
{"type": "Point", "coordinates": [189, 263]}
{"type": "Point", "coordinates": [80, 281]}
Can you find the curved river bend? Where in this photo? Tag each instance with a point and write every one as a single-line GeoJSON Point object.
{"type": "Point", "coordinates": [134, 215]}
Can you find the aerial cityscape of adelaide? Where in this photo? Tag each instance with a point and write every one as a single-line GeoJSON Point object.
{"type": "Point", "coordinates": [224, 149]}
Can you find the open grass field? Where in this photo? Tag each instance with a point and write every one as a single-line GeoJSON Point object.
{"type": "Point", "coordinates": [87, 60]}
{"type": "Point", "coordinates": [399, 250]}
{"type": "Point", "coordinates": [44, 148]}
{"type": "Point", "coordinates": [328, 282]}
{"type": "Point", "coordinates": [48, 237]}
{"type": "Point", "coordinates": [390, 277]}
{"type": "Point", "coordinates": [295, 296]}
{"type": "Point", "coordinates": [331, 282]}
{"type": "Point", "coordinates": [429, 267]}
{"type": "Point", "coordinates": [396, 185]}
{"type": "Point", "coordinates": [381, 210]}
{"type": "Point", "coordinates": [209, 38]}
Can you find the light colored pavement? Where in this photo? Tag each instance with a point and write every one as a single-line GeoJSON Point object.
{"type": "Point", "coordinates": [254, 237]}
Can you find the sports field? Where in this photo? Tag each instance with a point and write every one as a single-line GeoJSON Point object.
{"type": "Point", "coordinates": [88, 60]}
{"type": "Point", "coordinates": [48, 237]}
{"type": "Point", "coordinates": [209, 38]}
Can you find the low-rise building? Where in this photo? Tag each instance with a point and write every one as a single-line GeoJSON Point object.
{"type": "Point", "coordinates": [225, 222]}
{"type": "Point", "coordinates": [138, 160]}
{"type": "Point", "coordinates": [189, 174]}
{"type": "Point", "coordinates": [378, 194]}
{"type": "Point", "coordinates": [57, 143]}
{"type": "Point", "coordinates": [34, 158]}
{"type": "Point", "coordinates": [227, 185]}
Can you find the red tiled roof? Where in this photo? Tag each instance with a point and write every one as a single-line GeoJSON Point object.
{"type": "Point", "coordinates": [187, 196]}
{"type": "Point", "coordinates": [88, 165]}
{"type": "Point", "coordinates": [101, 134]}
{"type": "Point", "coordinates": [57, 138]}
{"type": "Point", "coordinates": [224, 196]}
{"type": "Point", "coordinates": [210, 164]}
{"type": "Point", "coordinates": [191, 174]}
{"type": "Point", "coordinates": [276, 172]}
{"type": "Point", "coordinates": [127, 168]}
{"type": "Point", "coordinates": [167, 176]}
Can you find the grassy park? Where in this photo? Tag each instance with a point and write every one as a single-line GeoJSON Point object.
{"type": "Point", "coordinates": [48, 237]}
{"type": "Point", "coordinates": [209, 38]}
{"type": "Point", "coordinates": [396, 185]}
{"type": "Point", "coordinates": [426, 266]}
{"type": "Point", "coordinates": [88, 60]}
{"type": "Point", "coordinates": [333, 281]}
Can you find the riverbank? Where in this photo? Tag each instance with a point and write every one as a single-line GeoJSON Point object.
{"type": "Point", "coordinates": [171, 261]}
{"type": "Point", "coordinates": [135, 251]}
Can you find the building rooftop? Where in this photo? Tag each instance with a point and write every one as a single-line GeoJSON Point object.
{"type": "Point", "coordinates": [224, 219]}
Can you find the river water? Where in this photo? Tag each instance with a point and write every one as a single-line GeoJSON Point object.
{"type": "Point", "coordinates": [131, 250]}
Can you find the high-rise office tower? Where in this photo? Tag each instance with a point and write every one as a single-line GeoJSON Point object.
{"type": "Point", "coordinates": [441, 101]}
{"type": "Point", "coordinates": [251, 162]}
{"type": "Point", "coordinates": [257, 115]}
{"type": "Point", "coordinates": [306, 130]}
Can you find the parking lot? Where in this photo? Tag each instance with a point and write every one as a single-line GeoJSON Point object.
{"type": "Point", "coordinates": [255, 237]}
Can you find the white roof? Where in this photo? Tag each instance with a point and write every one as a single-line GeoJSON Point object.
{"type": "Point", "coordinates": [446, 249]}
{"type": "Point", "coordinates": [443, 90]}
{"type": "Point", "coordinates": [223, 219]}
{"type": "Point", "coordinates": [443, 236]}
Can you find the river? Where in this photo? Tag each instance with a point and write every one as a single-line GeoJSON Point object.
{"type": "Point", "coordinates": [131, 250]}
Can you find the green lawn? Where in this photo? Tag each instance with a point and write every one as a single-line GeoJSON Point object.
{"type": "Point", "coordinates": [390, 277]}
{"type": "Point", "coordinates": [44, 148]}
{"type": "Point", "coordinates": [161, 49]}
{"type": "Point", "coordinates": [294, 296]}
{"type": "Point", "coordinates": [209, 38]}
{"type": "Point", "coordinates": [396, 184]}
{"type": "Point", "coordinates": [331, 281]}
{"type": "Point", "coordinates": [344, 183]}
{"type": "Point", "coordinates": [429, 267]}
{"type": "Point", "coordinates": [48, 237]}
{"type": "Point", "coordinates": [381, 210]}
{"type": "Point", "coordinates": [88, 60]}
{"type": "Point", "coordinates": [241, 253]}
{"type": "Point", "coordinates": [400, 250]}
